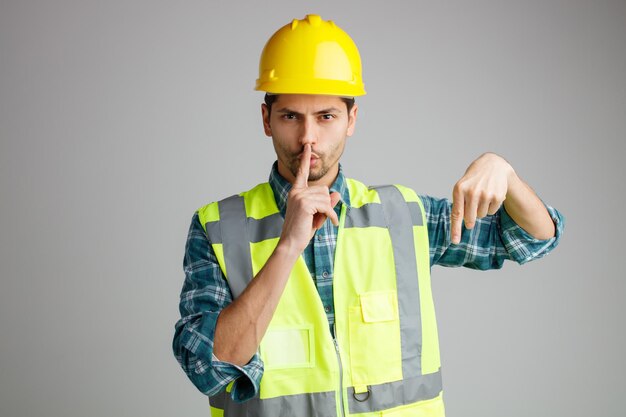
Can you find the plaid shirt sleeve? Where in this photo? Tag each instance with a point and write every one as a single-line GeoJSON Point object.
{"type": "Point", "coordinates": [494, 238]}
{"type": "Point", "coordinates": [204, 294]}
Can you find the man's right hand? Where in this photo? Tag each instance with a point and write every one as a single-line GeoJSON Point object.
{"type": "Point", "coordinates": [308, 207]}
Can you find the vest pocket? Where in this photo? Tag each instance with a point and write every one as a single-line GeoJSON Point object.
{"type": "Point", "coordinates": [374, 326]}
{"type": "Point", "coordinates": [288, 347]}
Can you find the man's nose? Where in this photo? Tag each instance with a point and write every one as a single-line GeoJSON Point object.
{"type": "Point", "coordinates": [308, 133]}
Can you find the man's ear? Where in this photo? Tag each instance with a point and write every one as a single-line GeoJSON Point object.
{"type": "Point", "coordinates": [265, 114]}
{"type": "Point", "coordinates": [352, 119]}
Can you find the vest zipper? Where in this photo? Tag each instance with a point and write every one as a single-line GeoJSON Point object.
{"type": "Point", "coordinates": [343, 412]}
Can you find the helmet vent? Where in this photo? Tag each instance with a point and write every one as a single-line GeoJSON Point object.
{"type": "Point", "coordinates": [314, 19]}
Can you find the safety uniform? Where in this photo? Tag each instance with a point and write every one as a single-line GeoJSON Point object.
{"type": "Point", "coordinates": [384, 357]}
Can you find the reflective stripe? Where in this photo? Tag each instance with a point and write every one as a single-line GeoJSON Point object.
{"type": "Point", "coordinates": [397, 393]}
{"type": "Point", "coordinates": [259, 230]}
{"type": "Point", "coordinates": [213, 232]}
{"type": "Point", "coordinates": [219, 400]}
{"type": "Point", "coordinates": [371, 215]}
{"type": "Point", "coordinates": [398, 219]}
{"type": "Point", "coordinates": [236, 243]}
{"type": "Point", "coordinates": [416, 213]}
{"type": "Point", "coordinates": [319, 404]}
{"type": "Point", "coordinates": [269, 227]}
{"type": "Point", "coordinates": [368, 215]}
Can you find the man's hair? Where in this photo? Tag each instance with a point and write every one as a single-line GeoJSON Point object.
{"type": "Point", "coordinates": [271, 98]}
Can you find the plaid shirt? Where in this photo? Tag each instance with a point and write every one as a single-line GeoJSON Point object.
{"type": "Point", "coordinates": [205, 292]}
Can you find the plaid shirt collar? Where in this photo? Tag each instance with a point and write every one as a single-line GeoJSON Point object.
{"type": "Point", "coordinates": [281, 187]}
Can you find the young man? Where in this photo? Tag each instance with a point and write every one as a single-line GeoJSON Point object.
{"type": "Point", "coordinates": [310, 295]}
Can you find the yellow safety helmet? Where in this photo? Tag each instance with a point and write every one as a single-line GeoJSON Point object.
{"type": "Point", "coordinates": [311, 56]}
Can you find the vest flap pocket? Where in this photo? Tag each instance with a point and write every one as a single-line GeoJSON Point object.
{"type": "Point", "coordinates": [374, 338]}
{"type": "Point", "coordinates": [288, 347]}
{"type": "Point", "coordinates": [379, 306]}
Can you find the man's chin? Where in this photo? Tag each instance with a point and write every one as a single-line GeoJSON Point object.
{"type": "Point", "coordinates": [316, 175]}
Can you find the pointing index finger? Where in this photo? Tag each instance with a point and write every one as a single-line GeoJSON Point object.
{"type": "Point", "coordinates": [456, 217]}
{"type": "Point", "coordinates": [303, 171]}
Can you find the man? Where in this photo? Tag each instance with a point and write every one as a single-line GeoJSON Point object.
{"type": "Point", "coordinates": [310, 295]}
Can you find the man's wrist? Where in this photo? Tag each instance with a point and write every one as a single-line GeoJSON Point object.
{"type": "Point", "coordinates": [513, 182]}
{"type": "Point", "coordinates": [287, 250]}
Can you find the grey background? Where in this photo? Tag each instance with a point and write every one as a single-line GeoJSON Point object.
{"type": "Point", "coordinates": [119, 118]}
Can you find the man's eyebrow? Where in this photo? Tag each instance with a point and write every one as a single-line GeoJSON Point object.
{"type": "Point", "coordinates": [329, 110]}
{"type": "Point", "coordinates": [287, 110]}
{"type": "Point", "coordinates": [323, 111]}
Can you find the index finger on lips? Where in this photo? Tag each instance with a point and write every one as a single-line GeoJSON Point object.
{"type": "Point", "coordinates": [303, 171]}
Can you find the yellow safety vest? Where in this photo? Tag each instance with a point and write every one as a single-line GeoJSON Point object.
{"type": "Point", "coordinates": [384, 359]}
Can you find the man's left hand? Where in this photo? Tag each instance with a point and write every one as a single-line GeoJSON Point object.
{"type": "Point", "coordinates": [479, 192]}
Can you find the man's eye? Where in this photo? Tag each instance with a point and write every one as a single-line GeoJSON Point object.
{"type": "Point", "coordinates": [328, 116]}
{"type": "Point", "coordinates": [289, 116]}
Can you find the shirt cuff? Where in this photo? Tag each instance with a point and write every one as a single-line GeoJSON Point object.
{"type": "Point", "coordinates": [246, 378]}
{"type": "Point", "coordinates": [521, 245]}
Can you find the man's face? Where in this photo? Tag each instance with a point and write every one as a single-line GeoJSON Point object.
{"type": "Point", "coordinates": [298, 119]}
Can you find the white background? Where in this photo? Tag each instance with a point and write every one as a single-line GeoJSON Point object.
{"type": "Point", "coordinates": [119, 118]}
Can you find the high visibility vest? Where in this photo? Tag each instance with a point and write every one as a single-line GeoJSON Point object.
{"type": "Point", "coordinates": [384, 359]}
